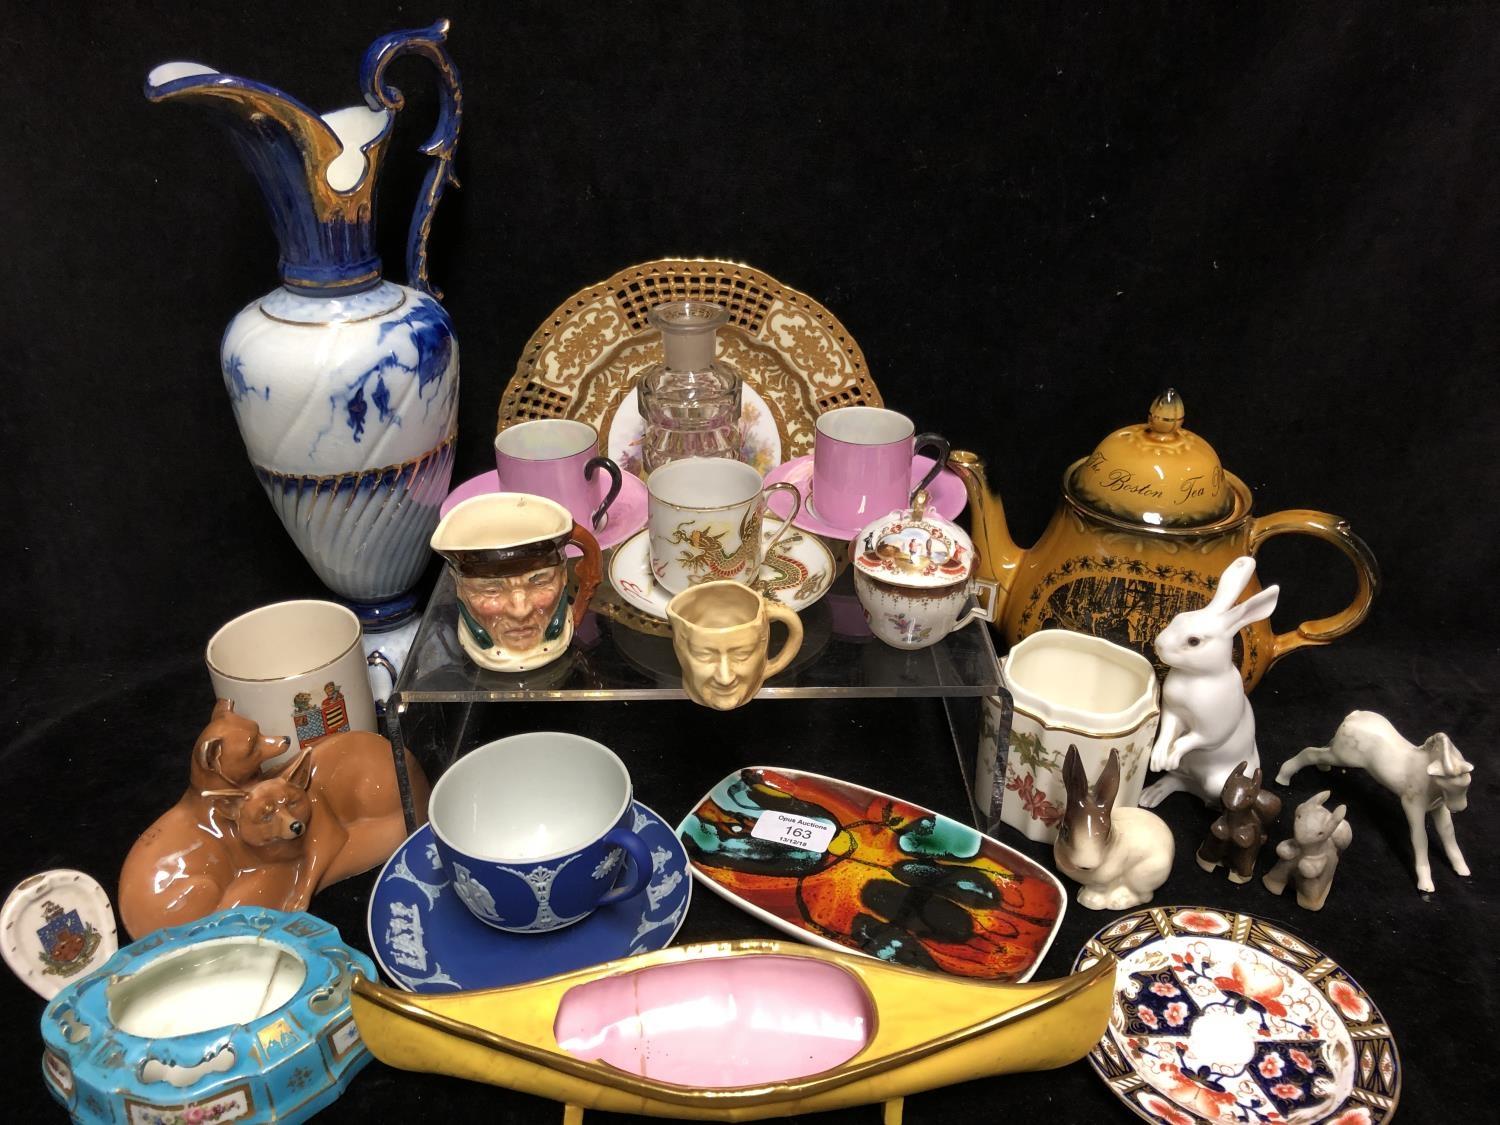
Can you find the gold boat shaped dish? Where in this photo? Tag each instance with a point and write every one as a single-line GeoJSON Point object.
{"type": "Point", "coordinates": [738, 1031]}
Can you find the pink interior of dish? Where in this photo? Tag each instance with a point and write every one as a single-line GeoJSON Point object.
{"type": "Point", "coordinates": [721, 1022]}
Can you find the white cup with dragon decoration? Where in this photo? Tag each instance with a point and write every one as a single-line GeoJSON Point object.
{"type": "Point", "coordinates": [704, 519]}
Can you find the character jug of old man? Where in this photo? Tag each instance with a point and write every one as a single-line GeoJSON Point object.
{"type": "Point", "coordinates": [1145, 525]}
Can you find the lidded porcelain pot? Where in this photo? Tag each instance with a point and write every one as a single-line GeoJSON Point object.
{"type": "Point", "coordinates": [914, 574]}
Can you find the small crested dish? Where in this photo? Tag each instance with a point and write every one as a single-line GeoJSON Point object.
{"type": "Point", "coordinates": [796, 573]}
{"type": "Point", "coordinates": [625, 517]}
{"type": "Point", "coordinates": [850, 868]}
{"type": "Point", "coordinates": [56, 927]}
{"type": "Point", "coordinates": [1224, 1017]}
{"type": "Point", "coordinates": [425, 940]}
{"type": "Point", "coordinates": [946, 495]}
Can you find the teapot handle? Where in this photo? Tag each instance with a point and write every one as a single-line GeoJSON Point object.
{"type": "Point", "coordinates": [430, 43]}
{"type": "Point", "coordinates": [1331, 529]}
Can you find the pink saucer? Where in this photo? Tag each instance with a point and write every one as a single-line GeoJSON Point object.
{"type": "Point", "coordinates": [625, 517]}
{"type": "Point", "coordinates": [945, 495]}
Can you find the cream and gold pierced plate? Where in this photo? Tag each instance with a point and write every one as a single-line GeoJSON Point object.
{"type": "Point", "coordinates": [795, 357]}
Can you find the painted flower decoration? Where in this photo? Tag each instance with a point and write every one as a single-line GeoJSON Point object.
{"type": "Point", "coordinates": [1257, 983]}
{"type": "Point", "coordinates": [1176, 1013]}
{"type": "Point", "coordinates": [1287, 1091]}
{"type": "Point", "coordinates": [1271, 1066]}
{"type": "Point", "coordinates": [1163, 988]}
{"type": "Point", "coordinates": [1165, 1110]}
{"type": "Point", "coordinates": [1147, 1016]}
{"type": "Point", "coordinates": [1302, 1059]}
{"type": "Point", "coordinates": [1359, 1115]}
{"type": "Point", "coordinates": [1349, 1000]}
{"type": "Point", "coordinates": [1033, 800]}
{"type": "Point", "coordinates": [1201, 922]}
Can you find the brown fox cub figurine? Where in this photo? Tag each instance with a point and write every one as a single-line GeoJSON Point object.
{"type": "Point", "coordinates": [239, 838]}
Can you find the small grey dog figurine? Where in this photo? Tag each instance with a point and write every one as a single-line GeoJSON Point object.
{"type": "Point", "coordinates": [1311, 855]}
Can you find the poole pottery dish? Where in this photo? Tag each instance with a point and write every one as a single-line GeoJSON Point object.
{"type": "Point", "coordinates": [240, 1016]}
{"type": "Point", "coordinates": [794, 356]}
{"type": "Point", "coordinates": [738, 1031]}
{"type": "Point", "coordinates": [848, 868]}
{"type": "Point", "coordinates": [625, 517]}
{"type": "Point", "coordinates": [796, 573]}
{"type": "Point", "coordinates": [54, 927]}
{"type": "Point", "coordinates": [427, 941]}
{"type": "Point", "coordinates": [945, 496]}
{"type": "Point", "coordinates": [1224, 1017]}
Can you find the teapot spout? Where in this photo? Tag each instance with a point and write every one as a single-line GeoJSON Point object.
{"type": "Point", "coordinates": [317, 173]}
{"type": "Point", "coordinates": [999, 556]}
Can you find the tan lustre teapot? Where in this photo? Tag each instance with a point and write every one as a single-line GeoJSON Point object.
{"type": "Point", "coordinates": [1145, 525]}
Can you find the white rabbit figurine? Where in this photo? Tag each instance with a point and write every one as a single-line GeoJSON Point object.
{"type": "Point", "coordinates": [1207, 726]}
{"type": "Point", "coordinates": [1119, 855]}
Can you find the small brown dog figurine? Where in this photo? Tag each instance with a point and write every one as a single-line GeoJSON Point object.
{"type": "Point", "coordinates": [1237, 836]}
{"type": "Point", "coordinates": [238, 838]}
{"type": "Point", "coordinates": [1311, 855]}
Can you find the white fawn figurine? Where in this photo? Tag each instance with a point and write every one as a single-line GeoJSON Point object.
{"type": "Point", "coordinates": [1120, 856]}
{"type": "Point", "coordinates": [1207, 726]}
{"type": "Point", "coordinates": [1431, 779]}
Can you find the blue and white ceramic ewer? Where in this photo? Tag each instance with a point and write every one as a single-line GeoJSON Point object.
{"type": "Point", "coordinates": [344, 384]}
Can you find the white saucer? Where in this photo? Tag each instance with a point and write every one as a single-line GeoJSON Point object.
{"type": "Point", "coordinates": [803, 555]}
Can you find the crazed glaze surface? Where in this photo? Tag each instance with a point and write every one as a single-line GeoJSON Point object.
{"type": "Point", "coordinates": [719, 1024]}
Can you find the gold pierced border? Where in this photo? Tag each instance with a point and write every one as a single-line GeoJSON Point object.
{"type": "Point", "coordinates": [696, 277]}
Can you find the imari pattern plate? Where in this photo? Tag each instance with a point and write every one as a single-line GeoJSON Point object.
{"type": "Point", "coordinates": [1223, 1017]}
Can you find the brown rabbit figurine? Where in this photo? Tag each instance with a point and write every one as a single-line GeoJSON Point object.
{"type": "Point", "coordinates": [1236, 837]}
{"type": "Point", "coordinates": [1119, 855]}
{"type": "Point", "coordinates": [1311, 855]}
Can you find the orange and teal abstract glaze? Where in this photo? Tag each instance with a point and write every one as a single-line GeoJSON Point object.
{"type": "Point", "coordinates": [895, 881]}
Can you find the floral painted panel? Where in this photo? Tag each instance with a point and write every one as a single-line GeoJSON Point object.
{"type": "Point", "coordinates": [895, 880]}
{"type": "Point", "coordinates": [1223, 1017]}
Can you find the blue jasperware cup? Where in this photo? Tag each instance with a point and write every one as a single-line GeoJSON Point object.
{"type": "Point", "coordinates": [537, 830]}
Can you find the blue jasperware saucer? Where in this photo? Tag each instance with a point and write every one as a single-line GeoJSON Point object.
{"type": "Point", "coordinates": [425, 939]}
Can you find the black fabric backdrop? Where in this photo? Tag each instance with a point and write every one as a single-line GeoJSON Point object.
{"type": "Point", "coordinates": [1032, 217]}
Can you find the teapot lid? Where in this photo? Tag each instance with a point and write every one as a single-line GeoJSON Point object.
{"type": "Point", "coordinates": [1156, 473]}
{"type": "Point", "coordinates": [914, 548]}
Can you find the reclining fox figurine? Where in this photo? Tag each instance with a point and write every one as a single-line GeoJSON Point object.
{"type": "Point", "coordinates": [238, 837]}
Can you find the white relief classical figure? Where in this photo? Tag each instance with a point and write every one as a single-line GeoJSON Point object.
{"type": "Point", "coordinates": [660, 890]}
{"type": "Point", "coordinates": [476, 897]}
{"type": "Point", "coordinates": [404, 935]}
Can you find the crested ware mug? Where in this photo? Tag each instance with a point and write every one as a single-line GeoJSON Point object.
{"type": "Point", "coordinates": [721, 633]}
{"type": "Point", "coordinates": [507, 551]}
{"type": "Point", "coordinates": [862, 459]}
{"type": "Point", "coordinates": [533, 830]}
{"type": "Point", "coordinates": [556, 458]}
{"type": "Point", "coordinates": [1070, 689]}
{"type": "Point", "coordinates": [297, 669]}
{"type": "Point", "coordinates": [704, 518]}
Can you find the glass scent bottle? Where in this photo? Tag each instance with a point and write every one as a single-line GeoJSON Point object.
{"type": "Point", "coordinates": [691, 402]}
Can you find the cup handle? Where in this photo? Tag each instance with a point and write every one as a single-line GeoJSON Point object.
{"type": "Point", "coordinates": [986, 597]}
{"type": "Point", "coordinates": [793, 643]}
{"type": "Point", "coordinates": [589, 569]}
{"type": "Point", "coordinates": [615, 481]}
{"type": "Point", "coordinates": [640, 859]}
{"type": "Point", "coordinates": [378, 659]}
{"type": "Point", "coordinates": [939, 459]}
{"type": "Point", "coordinates": [1331, 529]}
{"type": "Point", "coordinates": [784, 486]}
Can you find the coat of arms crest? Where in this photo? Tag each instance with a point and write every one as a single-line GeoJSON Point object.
{"type": "Point", "coordinates": [68, 942]}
